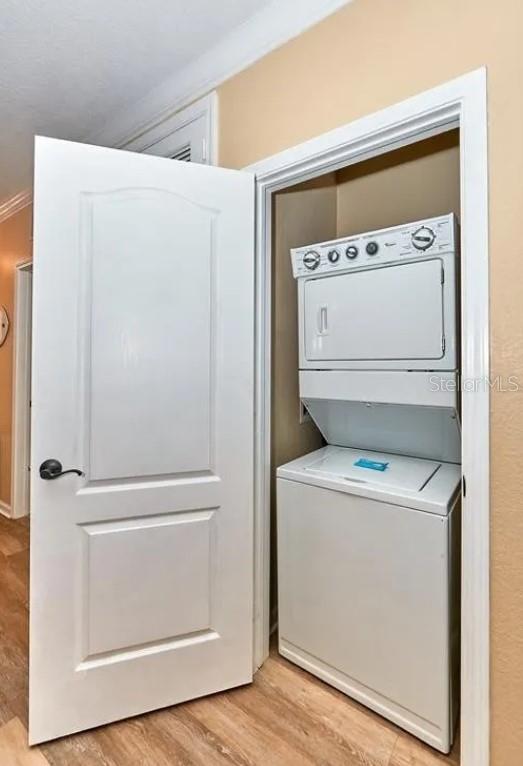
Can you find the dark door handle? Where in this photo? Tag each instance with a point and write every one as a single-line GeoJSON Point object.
{"type": "Point", "coordinates": [52, 469]}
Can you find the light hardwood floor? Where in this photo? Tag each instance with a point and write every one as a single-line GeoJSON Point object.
{"type": "Point", "coordinates": [285, 718]}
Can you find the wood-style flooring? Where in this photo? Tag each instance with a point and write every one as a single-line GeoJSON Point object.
{"type": "Point", "coordinates": [285, 718]}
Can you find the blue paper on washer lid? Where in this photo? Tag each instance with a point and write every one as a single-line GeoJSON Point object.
{"type": "Point", "coordinates": [374, 465]}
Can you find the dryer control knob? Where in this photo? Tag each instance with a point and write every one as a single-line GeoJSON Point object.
{"type": "Point", "coordinates": [311, 260]}
{"type": "Point", "coordinates": [351, 252]}
{"type": "Point", "coordinates": [333, 256]}
{"type": "Point", "coordinates": [423, 238]}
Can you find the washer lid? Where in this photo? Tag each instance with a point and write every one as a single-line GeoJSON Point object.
{"type": "Point", "coordinates": [423, 485]}
{"type": "Point", "coordinates": [407, 474]}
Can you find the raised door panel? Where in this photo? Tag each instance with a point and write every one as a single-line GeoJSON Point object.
{"type": "Point", "coordinates": [148, 319]}
{"type": "Point", "coordinates": [136, 611]}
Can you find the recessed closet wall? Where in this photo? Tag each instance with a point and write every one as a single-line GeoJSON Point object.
{"type": "Point", "coordinates": [408, 184]}
{"type": "Point", "coordinates": [415, 182]}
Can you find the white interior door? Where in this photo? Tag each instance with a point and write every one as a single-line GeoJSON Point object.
{"type": "Point", "coordinates": [141, 568]}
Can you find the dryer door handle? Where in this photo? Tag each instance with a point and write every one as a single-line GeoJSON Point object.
{"type": "Point", "coordinates": [323, 321]}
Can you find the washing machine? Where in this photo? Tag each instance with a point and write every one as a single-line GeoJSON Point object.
{"type": "Point", "coordinates": [369, 526]}
{"type": "Point", "coordinates": [368, 573]}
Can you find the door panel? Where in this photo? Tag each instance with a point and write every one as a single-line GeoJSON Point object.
{"type": "Point", "coordinates": [116, 620]}
{"type": "Point", "coordinates": [150, 293]}
{"type": "Point", "coordinates": [141, 569]}
{"type": "Point", "coordinates": [405, 303]}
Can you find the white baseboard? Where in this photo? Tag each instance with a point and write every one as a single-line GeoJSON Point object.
{"type": "Point", "coordinates": [5, 509]}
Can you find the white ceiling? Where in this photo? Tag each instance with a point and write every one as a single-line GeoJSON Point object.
{"type": "Point", "coordinates": [66, 66]}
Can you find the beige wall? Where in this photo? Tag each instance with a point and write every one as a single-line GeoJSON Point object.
{"type": "Point", "coordinates": [15, 247]}
{"type": "Point", "coordinates": [371, 54]}
{"type": "Point", "coordinates": [418, 181]}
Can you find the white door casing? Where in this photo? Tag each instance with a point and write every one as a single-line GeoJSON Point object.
{"type": "Point", "coordinates": [141, 570]}
{"type": "Point", "coordinates": [22, 390]}
{"type": "Point", "coordinates": [189, 134]}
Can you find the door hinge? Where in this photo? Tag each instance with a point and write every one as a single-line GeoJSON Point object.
{"type": "Point", "coordinates": [443, 345]}
{"type": "Point", "coordinates": [464, 483]}
{"type": "Point", "coordinates": [442, 274]}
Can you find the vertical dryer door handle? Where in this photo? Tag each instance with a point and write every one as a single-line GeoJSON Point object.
{"type": "Point", "coordinates": [323, 325]}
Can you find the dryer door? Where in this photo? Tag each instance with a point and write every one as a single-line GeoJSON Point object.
{"type": "Point", "coordinates": [383, 317]}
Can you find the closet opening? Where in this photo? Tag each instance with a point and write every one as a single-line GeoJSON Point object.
{"type": "Point", "coordinates": [365, 446]}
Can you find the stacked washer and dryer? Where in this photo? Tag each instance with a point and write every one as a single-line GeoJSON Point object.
{"type": "Point", "coordinates": [369, 525]}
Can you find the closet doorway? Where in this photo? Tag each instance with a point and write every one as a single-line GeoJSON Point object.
{"type": "Point", "coordinates": [457, 105]}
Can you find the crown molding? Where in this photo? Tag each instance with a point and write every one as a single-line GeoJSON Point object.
{"type": "Point", "coordinates": [272, 26]}
{"type": "Point", "coordinates": [15, 203]}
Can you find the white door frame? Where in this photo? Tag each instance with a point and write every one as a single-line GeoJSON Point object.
{"type": "Point", "coordinates": [199, 118]}
{"type": "Point", "coordinates": [20, 448]}
{"type": "Point", "coordinates": [459, 103]}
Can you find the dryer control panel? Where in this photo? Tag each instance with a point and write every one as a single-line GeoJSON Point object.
{"type": "Point", "coordinates": [412, 241]}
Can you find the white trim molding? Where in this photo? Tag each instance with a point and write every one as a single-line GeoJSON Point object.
{"type": "Point", "coordinates": [5, 509]}
{"type": "Point", "coordinates": [20, 450]}
{"type": "Point", "coordinates": [196, 124]}
{"type": "Point", "coordinates": [458, 103]}
{"type": "Point", "coordinates": [15, 203]}
{"type": "Point", "coordinates": [273, 25]}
